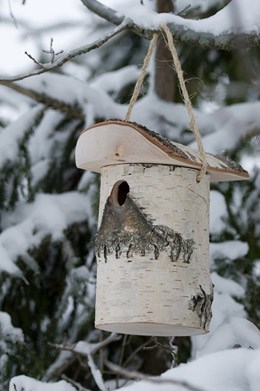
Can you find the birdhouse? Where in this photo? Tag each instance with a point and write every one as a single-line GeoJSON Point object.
{"type": "Point", "coordinates": [152, 243]}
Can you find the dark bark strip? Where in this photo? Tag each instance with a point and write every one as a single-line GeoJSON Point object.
{"type": "Point", "coordinates": [126, 231]}
{"type": "Point", "coordinates": [201, 304]}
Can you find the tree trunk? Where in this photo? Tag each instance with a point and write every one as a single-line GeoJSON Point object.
{"type": "Point", "coordinates": [164, 74]}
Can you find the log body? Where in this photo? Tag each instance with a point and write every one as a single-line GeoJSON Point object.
{"type": "Point", "coordinates": [152, 250]}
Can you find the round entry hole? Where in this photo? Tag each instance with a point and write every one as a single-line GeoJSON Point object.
{"type": "Point", "coordinates": [119, 193]}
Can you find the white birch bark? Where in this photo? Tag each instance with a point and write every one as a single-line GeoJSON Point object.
{"type": "Point", "coordinates": [154, 293]}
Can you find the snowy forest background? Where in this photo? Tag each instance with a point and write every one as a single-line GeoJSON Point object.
{"type": "Point", "coordinates": [49, 207]}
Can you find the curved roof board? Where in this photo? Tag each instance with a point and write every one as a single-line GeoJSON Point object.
{"type": "Point", "coordinates": [118, 142]}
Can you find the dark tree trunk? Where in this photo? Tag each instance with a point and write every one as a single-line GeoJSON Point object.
{"type": "Point", "coordinates": [164, 74]}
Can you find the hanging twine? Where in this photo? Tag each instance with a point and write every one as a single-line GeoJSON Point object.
{"type": "Point", "coordinates": [193, 126]}
{"type": "Point", "coordinates": [140, 80]}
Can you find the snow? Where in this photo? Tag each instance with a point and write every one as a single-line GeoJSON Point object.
{"type": "Point", "coordinates": [218, 211]}
{"type": "Point", "coordinates": [257, 268]}
{"type": "Point", "coordinates": [25, 383]}
{"type": "Point", "coordinates": [116, 80]}
{"type": "Point", "coordinates": [222, 129]}
{"type": "Point", "coordinates": [41, 144]}
{"type": "Point", "coordinates": [228, 326]}
{"type": "Point", "coordinates": [231, 124]}
{"type": "Point", "coordinates": [230, 370]}
{"type": "Point", "coordinates": [230, 249]}
{"type": "Point", "coordinates": [49, 214]}
{"type": "Point", "coordinates": [214, 367]}
{"type": "Point", "coordinates": [12, 134]}
{"type": "Point", "coordinates": [6, 264]}
{"type": "Point", "coordinates": [74, 92]}
{"type": "Point", "coordinates": [32, 18]}
{"type": "Point", "coordinates": [42, 139]}
{"type": "Point", "coordinates": [227, 286]}
{"type": "Point", "coordinates": [8, 331]}
{"type": "Point", "coordinates": [203, 5]}
{"type": "Point", "coordinates": [235, 17]}
{"type": "Point", "coordinates": [237, 331]}
{"type": "Point", "coordinates": [9, 337]}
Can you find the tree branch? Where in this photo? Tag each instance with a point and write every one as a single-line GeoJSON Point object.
{"type": "Point", "coordinates": [72, 111]}
{"type": "Point", "coordinates": [78, 386]}
{"type": "Point", "coordinates": [88, 350]}
{"type": "Point", "coordinates": [134, 375]}
{"type": "Point", "coordinates": [69, 55]}
{"type": "Point", "coordinates": [104, 12]}
{"type": "Point", "coordinates": [180, 31]}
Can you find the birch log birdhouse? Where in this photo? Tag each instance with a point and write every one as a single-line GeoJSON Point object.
{"type": "Point", "coordinates": [152, 244]}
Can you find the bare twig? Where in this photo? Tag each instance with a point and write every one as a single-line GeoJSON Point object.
{"type": "Point", "coordinates": [134, 375]}
{"type": "Point", "coordinates": [78, 386]}
{"type": "Point", "coordinates": [52, 52]}
{"type": "Point", "coordinates": [100, 345]}
{"type": "Point", "coordinates": [89, 352]}
{"type": "Point", "coordinates": [68, 56]}
{"type": "Point", "coordinates": [11, 14]}
{"type": "Point", "coordinates": [184, 10]}
{"type": "Point", "coordinates": [137, 350]}
{"type": "Point", "coordinates": [34, 60]}
{"type": "Point", "coordinates": [55, 374]}
{"type": "Point", "coordinates": [171, 349]}
{"type": "Point", "coordinates": [93, 347]}
{"type": "Point", "coordinates": [67, 348]}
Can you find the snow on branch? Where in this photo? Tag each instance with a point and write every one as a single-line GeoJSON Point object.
{"type": "Point", "coordinates": [224, 30]}
{"type": "Point", "coordinates": [235, 26]}
{"type": "Point", "coordinates": [67, 56]}
{"type": "Point", "coordinates": [7, 331]}
{"type": "Point", "coordinates": [25, 383]}
{"type": "Point", "coordinates": [49, 214]}
{"type": "Point", "coordinates": [222, 129]}
{"type": "Point", "coordinates": [88, 350]}
{"type": "Point", "coordinates": [76, 95]}
{"type": "Point", "coordinates": [72, 110]}
{"type": "Point", "coordinates": [13, 134]}
{"type": "Point", "coordinates": [105, 12]}
{"type": "Point", "coordinates": [160, 381]}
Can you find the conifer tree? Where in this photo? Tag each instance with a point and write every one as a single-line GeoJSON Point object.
{"type": "Point", "coordinates": [49, 207]}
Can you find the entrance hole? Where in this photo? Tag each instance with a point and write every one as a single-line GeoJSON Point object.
{"type": "Point", "coordinates": [119, 193]}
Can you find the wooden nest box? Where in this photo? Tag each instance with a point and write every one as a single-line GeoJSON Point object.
{"type": "Point", "coordinates": [152, 244]}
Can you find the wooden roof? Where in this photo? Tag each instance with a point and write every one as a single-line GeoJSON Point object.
{"type": "Point", "coordinates": [118, 142]}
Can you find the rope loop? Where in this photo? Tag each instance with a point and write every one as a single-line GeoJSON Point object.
{"type": "Point", "coordinates": [167, 35]}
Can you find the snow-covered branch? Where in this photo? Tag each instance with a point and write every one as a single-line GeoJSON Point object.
{"type": "Point", "coordinates": [72, 110]}
{"type": "Point", "coordinates": [67, 56]}
{"type": "Point", "coordinates": [220, 31]}
{"type": "Point", "coordinates": [105, 12]}
{"type": "Point", "coordinates": [134, 375]}
{"type": "Point", "coordinates": [88, 350]}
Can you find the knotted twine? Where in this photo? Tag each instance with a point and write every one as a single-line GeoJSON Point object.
{"type": "Point", "coordinates": [177, 65]}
